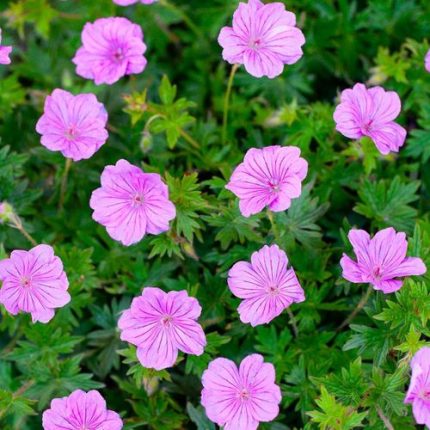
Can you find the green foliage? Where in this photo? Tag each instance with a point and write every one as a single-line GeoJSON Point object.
{"type": "Point", "coordinates": [168, 120]}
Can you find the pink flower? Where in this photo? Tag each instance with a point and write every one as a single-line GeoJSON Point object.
{"type": "Point", "coordinates": [34, 281]}
{"type": "Point", "coordinates": [4, 53]}
{"type": "Point", "coordinates": [129, 2]}
{"type": "Point", "coordinates": [266, 285]}
{"type": "Point", "coordinates": [263, 38]}
{"type": "Point", "coordinates": [380, 260]}
{"type": "Point", "coordinates": [239, 399]}
{"type": "Point", "coordinates": [419, 389]}
{"type": "Point", "coordinates": [74, 125]}
{"type": "Point", "coordinates": [371, 112]}
{"type": "Point", "coordinates": [112, 48]}
{"type": "Point", "coordinates": [161, 324]}
{"type": "Point", "coordinates": [131, 203]}
{"type": "Point", "coordinates": [81, 411]}
{"type": "Point", "coordinates": [271, 177]}
{"type": "Point", "coordinates": [427, 61]}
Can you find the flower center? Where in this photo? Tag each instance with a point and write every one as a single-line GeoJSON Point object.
{"type": "Point", "coordinates": [26, 282]}
{"type": "Point", "coordinates": [244, 394]}
{"type": "Point", "coordinates": [273, 290]}
{"type": "Point", "coordinates": [71, 132]}
{"type": "Point", "coordinates": [166, 321]}
{"type": "Point", "coordinates": [118, 55]}
{"type": "Point", "coordinates": [377, 273]}
{"type": "Point", "coordinates": [366, 128]}
{"type": "Point", "coordinates": [425, 394]}
{"type": "Point", "coordinates": [274, 186]}
{"type": "Point", "coordinates": [254, 43]}
{"type": "Point", "coordinates": [138, 200]}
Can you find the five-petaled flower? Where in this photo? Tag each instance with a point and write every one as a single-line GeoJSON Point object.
{"type": "Point", "coordinates": [81, 411]}
{"type": "Point", "coordinates": [371, 112]}
{"type": "Point", "coordinates": [131, 203]}
{"type": "Point", "coordinates": [73, 125]}
{"type": "Point", "coordinates": [4, 53]}
{"type": "Point", "coordinates": [380, 260]}
{"type": "Point", "coordinates": [111, 48]}
{"type": "Point", "coordinates": [419, 389]}
{"type": "Point", "coordinates": [263, 37]}
{"type": "Point", "coordinates": [34, 281]}
{"type": "Point", "coordinates": [270, 176]}
{"type": "Point", "coordinates": [239, 399]}
{"type": "Point", "coordinates": [161, 324]}
{"type": "Point", "coordinates": [266, 285]}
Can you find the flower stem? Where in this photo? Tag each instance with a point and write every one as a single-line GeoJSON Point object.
{"type": "Point", "coordinates": [384, 419]}
{"type": "Point", "coordinates": [17, 223]}
{"type": "Point", "coordinates": [189, 139]}
{"type": "Point", "coordinates": [357, 309]}
{"type": "Point", "coordinates": [293, 322]}
{"type": "Point", "coordinates": [188, 21]}
{"type": "Point", "coordinates": [227, 101]}
{"type": "Point", "coordinates": [64, 183]}
{"type": "Point", "coordinates": [275, 230]}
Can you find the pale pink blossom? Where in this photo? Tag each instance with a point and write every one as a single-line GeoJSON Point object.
{"type": "Point", "coordinates": [371, 112]}
{"type": "Point", "coordinates": [111, 48]}
{"type": "Point", "coordinates": [161, 324]}
{"type": "Point", "coordinates": [81, 411]}
{"type": "Point", "coordinates": [239, 399]}
{"type": "Point", "coordinates": [131, 203]}
{"type": "Point", "coordinates": [4, 52]}
{"type": "Point", "coordinates": [73, 125]}
{"type": "Point", "coordinates": [266, 285]}
{"type": "Point", "coordinates": [270, 176]}
{"type": "Point", "coordinates": [427, 61]}
{"type": "Point", "coordinates": [129, 2]}
{"type": "Point", "coordinates": [34, 282]}
{"type": "Point", "coordinates": [381, 260]}
{"type": "Point", "coordinates": [419, 389]}
{"type": "Point", "coordinates": [263, 37]}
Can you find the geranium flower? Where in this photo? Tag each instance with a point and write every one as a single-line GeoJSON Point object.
{"type": "Point", "coordinates": [427, 61]}
{"type": "Point", "coordinates": [419, 389]}
{"type": "Point", "coordinates": [239, 399]}
{"type": "Point", "coordinates": [161, 324]}
{"type": "Point", "coordinates": [131, 203]}
{"type": "Point", "coordinates": [263, 38]}
{"type": "Point", "coordinates": [266, 285]}
{"type": "Point", "coordinates": [371, 112]}
{"type": "Point", "coordinates": [111, 48]}
{"type": "Point", "coordinates": [5, 52]}
{"type": "Point", "coordinates": [73, 125]}
{"type": "Point", "coordinates": [129, 2]}
{"type": "Point", "coordinates": [81, 411]}
{"type": "Point", "coordinates": [270, 176]}
{"type": "Point", "coordinates": [380, 260]}
{"type": "Point", "coordinates": [34, 281]}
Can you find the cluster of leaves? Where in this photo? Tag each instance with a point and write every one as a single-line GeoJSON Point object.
{"type": "Point", "coordinates": [168, 120]}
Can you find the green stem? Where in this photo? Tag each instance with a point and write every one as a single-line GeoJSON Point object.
{"type": "Point", "coordinates": [193, 27]}
{"type": "Point", "coordinates": [384, 419]}
{"type": "Point", "coordinates": [293, 322]}
{"type": "Point", "coordinates": [64, 183]}
{"type": "Point", "coordinates": [17, 223]}
{"type": "Point", "coordinates": [357, 309]}
{"type": "Point", "coordinates": [275, 230]}
{"type": "Point", "coordinates": [190, 139]}
{"type": "Point", "coordinates": [227, 102]}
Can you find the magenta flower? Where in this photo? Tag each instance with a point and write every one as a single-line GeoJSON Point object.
{"type": "Point", "coordinates": [73, 125]}
{"type": "Point", "coordinates": [161, 324]}
{"type": "Point", "coordinates": [427, 61]}
{"type": "Point", "coordinates": [239, 399]}
{"type": "Point", "coordinates": [81, 411]}
{"type": "Point", "coordinates": [4, 53]}
{"type": "Point", "coordinates": [131, 203]}
{"type": "Point", "coordinates": [271, 177]}
{"type": "Point", "coordinates": [111, 48]}
{"type": "Point", "coordinates": [371, 112]}
{"type": "Point", "coordinates": [266, 285]}
{"type": "Point", "coordinates": [380, 260]}
{"type": "Point", "coordinates": [263, 38]}
{"type": "Point", "coordinates": [34, 281]}
{"type": "Point", "coordinates": [129, 2]}
{"type": "Point", "coordinates": [419, 389]}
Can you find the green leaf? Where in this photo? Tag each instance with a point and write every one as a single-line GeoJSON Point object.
{"type": "Point", "coordinates": [199, 418]}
